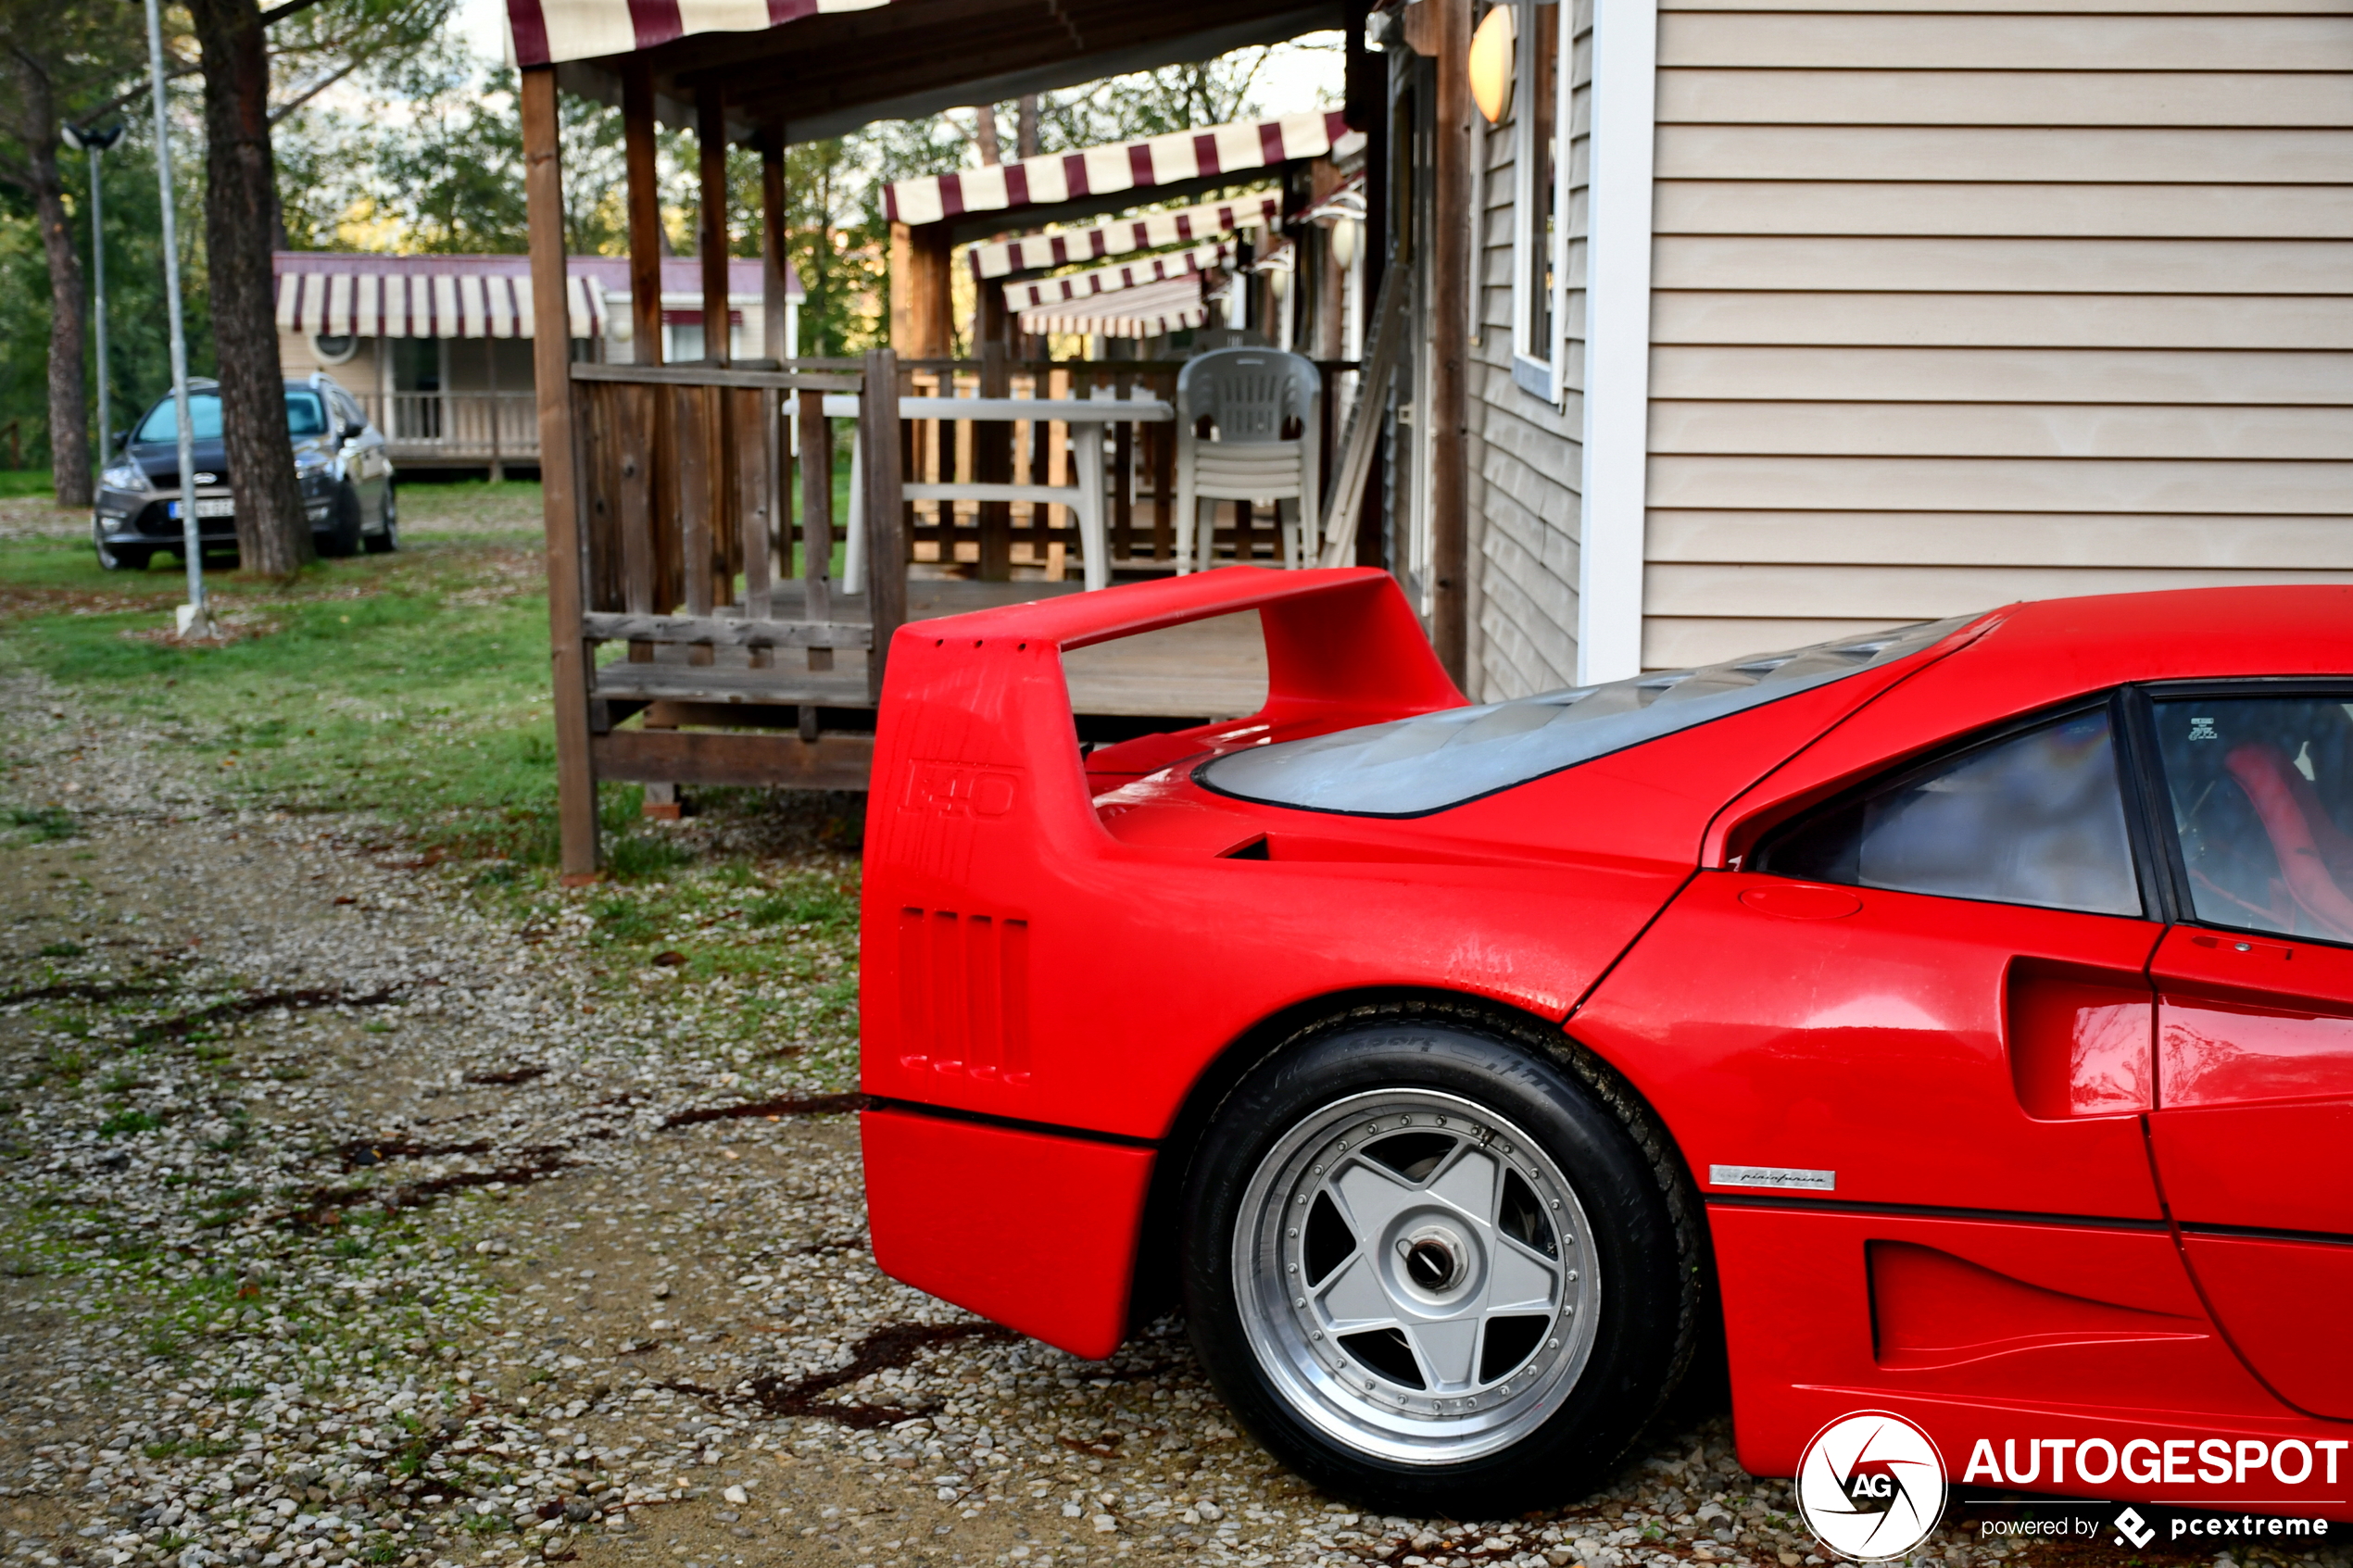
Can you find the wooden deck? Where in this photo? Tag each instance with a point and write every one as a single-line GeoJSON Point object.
{"type": "Point", "coordinates": [669, 721]}
{"type": "Point", "coordinates": [1205, 669]}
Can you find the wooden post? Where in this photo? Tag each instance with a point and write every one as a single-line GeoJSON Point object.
{"type": "Point", "coordinates": [710, 142]}
{"type": "Point", "coordinates": [1163, 461]}
{"type": "Point", "coordinates": [1450, 326]}
{"type": "Point", "coordinates": [768, 533]}
{"type": "Point", "coordinates": [644, 209]}
{"type": "Point", "coordinates": [993, 318]}
{"type": "Point", "coordinates": [885, 536]}
{"type": "Point", "coordinates": [993, 464]}
{"type": "Point", "coordinates": [721, 524]}
{"type": "Point", "coordinates": [552, 365]}
{"type": "Point", "coordinates": [490, 380]}
{"type": "Point", "coordinates": [922, 324]}
{"type": "Point", "coordinates": [1331, 281]}
{"type": "Point", "coordinates": [817, 535]}
{"type": "Point", "coordinates": [775, 257]}
{"type": "Point", "coordinates": [643, 202]}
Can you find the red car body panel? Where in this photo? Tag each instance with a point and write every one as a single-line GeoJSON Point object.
{"type": "Point", "coordinates": [1062, 956]}
{"type": "Point", "coordinates": [917, 1165]}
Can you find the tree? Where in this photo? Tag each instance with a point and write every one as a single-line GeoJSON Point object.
{"type": "Point", "coordinates": [333, 38]}
{"type": "Point", "coordinates": [59, 64]}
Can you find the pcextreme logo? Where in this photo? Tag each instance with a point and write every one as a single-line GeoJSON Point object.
{"type": "Point", "coordinates": [1871, 1485]}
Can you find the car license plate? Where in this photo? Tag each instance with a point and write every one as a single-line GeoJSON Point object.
{"type": "Point", "coordinates": [211, 505]}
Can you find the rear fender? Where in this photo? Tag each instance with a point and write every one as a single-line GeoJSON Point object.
{"type": "Point", "coordinates": [981, 818]}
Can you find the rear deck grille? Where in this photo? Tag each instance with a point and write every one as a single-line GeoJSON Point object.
{"type": "Point", "coordinates": [963, 994]}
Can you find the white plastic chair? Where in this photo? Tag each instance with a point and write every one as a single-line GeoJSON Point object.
{"type": "Point", "coordinates": [1248, 396]}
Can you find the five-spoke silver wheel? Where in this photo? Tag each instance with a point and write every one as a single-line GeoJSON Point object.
{"type": "Point", "coordinates": [1413, 1277]}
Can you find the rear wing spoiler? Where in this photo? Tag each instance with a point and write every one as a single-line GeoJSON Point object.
{"type": "Point", "coordinates": [977, 717]}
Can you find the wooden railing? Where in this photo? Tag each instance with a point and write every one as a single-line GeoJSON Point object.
{"type": "Point", "coordinates": [459, 427]}
{"type": "Point", "coordinates": [687, 545]}
{"type": "Point", "coordinates": [693, 562]}
{"type": "Point", "coordinates": [992, 538]}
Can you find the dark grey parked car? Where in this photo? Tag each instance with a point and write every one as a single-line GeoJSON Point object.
{"type": "Point", "coordinates": [339, 459]}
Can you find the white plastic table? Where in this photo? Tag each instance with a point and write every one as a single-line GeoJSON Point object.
{"type": "Point", "coordinates": [1086, 416]}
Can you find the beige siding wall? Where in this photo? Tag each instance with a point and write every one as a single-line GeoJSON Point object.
{"type": "Point", "coordinates": [1524, 451]}
{"type": "Point", "coordinates": [1957, 306]}
{"type": "Point", "coordinates": [297, 357]}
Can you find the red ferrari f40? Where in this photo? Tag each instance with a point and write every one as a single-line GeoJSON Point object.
{"type": "Point", "coordinates": [1953, 1020]}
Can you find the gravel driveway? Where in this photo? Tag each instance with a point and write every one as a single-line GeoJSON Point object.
{"type": "Point", "coordinates": [345, 1221]}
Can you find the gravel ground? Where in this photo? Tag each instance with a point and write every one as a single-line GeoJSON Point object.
{"type": "Point", "coordinates": [344, 1219]}
{"type": "Point", "coordinates": [38, 517]}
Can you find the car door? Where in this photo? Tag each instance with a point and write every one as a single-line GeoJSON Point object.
{"type": "Point", "coordinates": [1905, 1050]}
{"type": "Point", "coordinates": [2254, 1105]}
{"type": "Point", "coordinates": [363, 446]}
{"type": "Point", "coordinates": [1930, 992]}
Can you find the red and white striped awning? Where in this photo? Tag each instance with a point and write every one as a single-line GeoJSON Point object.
{"type": "Point", "coordinates": [546, 32]}
{"type": "Point", "coordinates": [445, 303]}
{"type": "Point", "coordinates": [1144, 232]}
{"type": "Point", "coordinates": [1139, 312]}
{"type": "Point", "coordinates": [1186, 264]}
{"type": "Point", "coordinates": [1133, 166]}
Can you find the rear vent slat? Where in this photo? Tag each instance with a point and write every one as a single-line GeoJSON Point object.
{"type": "Point", "coordinates": [963, 995]}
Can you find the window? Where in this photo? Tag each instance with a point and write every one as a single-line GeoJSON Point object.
{"type": "Point", "coordinates": [305, 416]}
{"type": "Point", "coordinates": [335, 348]}
{"type": "Point", "coordinates": [1434, 760]}
{"type": "Point", "coordinates": [162, 422]}
{"type": "Point", "coordinates": [347, 411]}
{"type": "Point", "coordinates": [2037, 818]}
{"type": "Point", "coordinates": [1539, 201]}
{"type": "Point", "coordinates": [2263, 794]}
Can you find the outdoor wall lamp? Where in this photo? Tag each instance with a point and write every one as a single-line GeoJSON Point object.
{"type": "Point", "coordinates": [1490, 64]}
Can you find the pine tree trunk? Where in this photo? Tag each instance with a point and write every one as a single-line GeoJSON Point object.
{"type": "Point", "coordinates": [68, 389]}
{"type": "Point", "coordinates": [273, 536]}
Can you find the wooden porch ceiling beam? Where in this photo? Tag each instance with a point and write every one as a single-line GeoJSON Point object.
{"type": "Point", "coordinates": [686, 60]}
{"type": "Point", "coordinates": [825, 63]}
{"type": "Point", "coordinates": [805, 86]}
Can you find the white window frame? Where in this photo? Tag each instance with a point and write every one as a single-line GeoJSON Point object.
{"type": "Point", "coordinates": [1537, 367]}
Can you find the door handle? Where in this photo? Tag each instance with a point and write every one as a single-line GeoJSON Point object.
{"type": "Point", "coordinates": [2082, 1041]}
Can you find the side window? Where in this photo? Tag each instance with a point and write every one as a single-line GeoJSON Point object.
{"type": "Point", "coordinates": [1538, 173]}
{"type": "Point", "coordinates": [2262, 796]}
{"type": "Point", "coordinates": [2033, 818]}
{"type": "Point", "coordinates": [347, 410]}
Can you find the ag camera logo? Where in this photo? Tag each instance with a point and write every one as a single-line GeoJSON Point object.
{"type": "Point", "coordinates": [1871, 1485]}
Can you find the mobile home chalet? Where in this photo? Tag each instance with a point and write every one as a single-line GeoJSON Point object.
{"type": "Point", "coordinates": [1783, 318]}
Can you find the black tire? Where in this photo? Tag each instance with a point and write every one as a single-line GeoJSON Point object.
{"type": "Point", "coordinates": [388, 540]}
{"type": "Point", "coordinates": [123, 558]}
{"type": "Point", "coordinates": [341, 536]}
{"type": "Point", "coordinates": [1642, 1235]}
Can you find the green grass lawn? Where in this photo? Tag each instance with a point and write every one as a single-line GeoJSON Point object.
{"type": "Point", "coordinates": [415, 686]}
{"type": "Point", "coordinates": [19, 483]}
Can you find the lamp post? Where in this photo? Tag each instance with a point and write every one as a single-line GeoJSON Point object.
{"type": "Point", "coordinates": [93, 141]}
{"type": "Point", "coordinates": [196, 616]}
